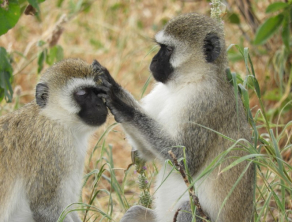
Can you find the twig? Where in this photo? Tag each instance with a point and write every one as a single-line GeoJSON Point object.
{"type": "Point", "coordinates": [57, 31]}
{"type": "Point", "coordinates": [5, 4]}
{"type": "Point", "coordinates": [191, 190]}
{"type": "Point", "coordinates": [176, 214]}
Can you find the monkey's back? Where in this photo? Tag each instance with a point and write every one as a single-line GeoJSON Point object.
{"type": "Point", "coordinates": [210, 110]}
{"type": "Point", "coordinates": [36, 154]}
{"type": "Point", "coordinates": [26, 136]}
{"type": "Point", "coordinates": [227, 117]}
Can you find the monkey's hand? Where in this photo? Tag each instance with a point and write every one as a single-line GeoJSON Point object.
{"type": "Point", "coordinates": [121, 110]}
{"type": "Point", "coordinates": [102, 73]}
{"type": "Point", "coordinates": [120, 102]}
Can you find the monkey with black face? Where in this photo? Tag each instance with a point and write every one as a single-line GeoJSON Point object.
{"type": "Point", "coordinates": [191, 97]}
{"type": "Point", "coordinates": [43, 145]}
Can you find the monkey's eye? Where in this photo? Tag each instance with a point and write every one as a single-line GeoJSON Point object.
{"type": "Point", "coordinates": [81, 92]}
{"type": "Point", "coordinates": [169, 49]}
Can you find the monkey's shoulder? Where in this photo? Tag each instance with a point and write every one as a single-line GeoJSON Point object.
{"type": "Point", "coordinates": [27, 124]}
{"type": "Point", "coordinates": [13, 119]}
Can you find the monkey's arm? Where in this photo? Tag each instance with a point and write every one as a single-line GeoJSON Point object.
{"type": "Point", "coordinates": [148, 135]}
{"type": "Point", "coordinates": [145, 133]}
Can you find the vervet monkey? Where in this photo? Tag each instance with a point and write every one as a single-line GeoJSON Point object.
{"type": "Point", "coordinates": [192, 96]}
{"type": "Point", "coordinates": [43, 145]}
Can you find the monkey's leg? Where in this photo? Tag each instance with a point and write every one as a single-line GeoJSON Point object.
{"type": "Point", "coordinates": [139, 213]}
{"type": "Point", "coordinates": [51, 212]}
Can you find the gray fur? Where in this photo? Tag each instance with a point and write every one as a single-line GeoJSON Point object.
{"type": "Point", "coordinates": [42, 150]}
{"type": "Point", "coordinates": [197, 97]}
{"type": "Point", "coordinates": [139, 213]}
{"type": "Point", "coordinates": [185, 213]}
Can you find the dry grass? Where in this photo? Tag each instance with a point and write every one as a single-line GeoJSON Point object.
{"type": "Point", "coordinates": [119, 35]}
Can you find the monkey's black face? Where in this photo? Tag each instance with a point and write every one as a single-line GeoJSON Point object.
{"type": "Point", "coordinates": [160, 66]}
{"type": "Point", "coordinates": [93, 111]}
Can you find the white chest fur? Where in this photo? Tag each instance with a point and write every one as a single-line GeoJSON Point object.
{"type": "Point", "coordinates": [170, 194]}
{"type": "Point", "coordinates": [165, 106]}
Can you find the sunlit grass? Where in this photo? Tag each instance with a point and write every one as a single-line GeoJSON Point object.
{"type": "Point", "coordinates": [119, 35]}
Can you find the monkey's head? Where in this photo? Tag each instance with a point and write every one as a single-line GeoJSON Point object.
{"type": "Point", "coordinates": [67, 92]}
{"type": "Point", "coordinates": [191, 45]}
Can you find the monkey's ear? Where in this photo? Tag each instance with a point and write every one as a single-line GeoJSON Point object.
{"type": "Point", "coordinates": [212, 47]}
{"type": "Point", "coordinates": [42, 94]}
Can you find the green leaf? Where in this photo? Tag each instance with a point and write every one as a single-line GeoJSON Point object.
{"type": "Point", "coordinates": [245, 98]}
{"type": "Point", "coordinates": [59, 53]}
{"type": "Point", "coordinates": [59, 3]}
{"type": "Point", "coordinates": [247, 60]}
{"type": "Point", "coordinates": [55, 54]}
{"type": "Point", "coordinates": [276, 6]}
{"type": "Point", "coordinates": [235, 87]}
{"type": "Point", "coordinates": [234, 18]}
{"type": "Point", "coordinates": [6, 76]}
{"type": "Point", "coordinates": [245, 56]}
{"type": "Point", "coordinates": [268, 28]}
{"type": "Point", "coordinates": [229, 75]}
{"type": "Point", "coordinates": [41, 59]}
{"type": "Point", "coordinates": [4, 61]}
{"type": "Point", "coordinates": [116, 6]}
{"type": "Point", "coordinates": [9, 16]}
{"type": "Point", "coordinates": [256, 87]}
{"type": "Point", "coordinates": [286, 32]}
{"type": "Point", "coordinates": [41, 43]}
{"type": "Point", "coordinates": [34, 4]}
{"type": "Point", "coordinates": [234, 57]}
{"type": "Point", "coordinates": [74, 6]}
{"type": "Point", "coordinates": [239, 48]}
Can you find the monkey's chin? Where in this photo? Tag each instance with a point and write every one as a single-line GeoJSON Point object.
{"type": "Point", "coordinates": [97, 121]}
{"type": "Point", "coordinates": [159, 77]}
{"type": "Point", "coordinates": [94, 119]}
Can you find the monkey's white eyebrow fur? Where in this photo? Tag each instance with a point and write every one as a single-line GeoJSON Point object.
{"type": "Point", "coordinates": [160, 37]}
{"type": "Point", "coordinates": [163, 38]}
{"type": "Point", "coordinates": [76, 83]}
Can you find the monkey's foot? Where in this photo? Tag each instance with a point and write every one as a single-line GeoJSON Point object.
{"type": "Point", "coordinates": [139, 213]}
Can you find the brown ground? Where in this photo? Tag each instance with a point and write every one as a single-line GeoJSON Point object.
{"type": "Point", "coordinates": [119, 35]}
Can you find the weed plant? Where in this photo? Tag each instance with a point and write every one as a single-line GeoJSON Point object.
{"type": "Point", "coordinates": [118, 34]}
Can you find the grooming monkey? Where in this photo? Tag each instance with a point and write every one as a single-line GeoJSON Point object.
{"type": "Point", "coordinates": [43, 145]}
{"type": "Point", "coordinates": [192, 96]}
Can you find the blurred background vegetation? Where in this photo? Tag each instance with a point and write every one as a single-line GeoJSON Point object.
{"type": "Point", "coordinates": [37, 33]}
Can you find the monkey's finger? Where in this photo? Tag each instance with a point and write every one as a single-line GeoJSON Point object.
{"type": "Point", "coordinates": [107, 100]}
{"type": "Point", "coordinates": [102, 77]}
{"type": "Point", "coordinates": [103, 89]}
{"type": "Point", "coordinates": [96, 65]}
{"type": "Point", "coordinates": [95, 62]}
{"type": "Point", "coordinates": [98, 79]}
{"type": "Point", "coordinates": [106, 83]}
{"type": "Point", "coordinates": [104, 96]}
